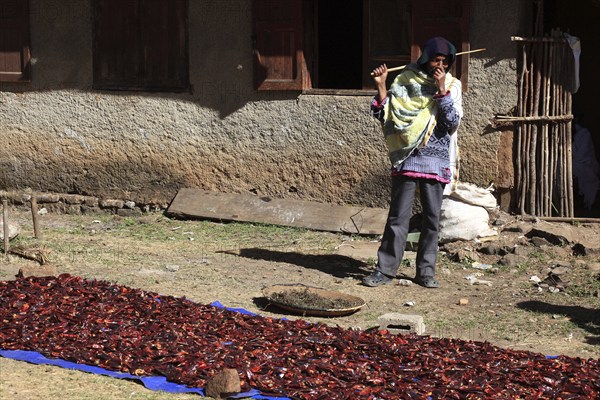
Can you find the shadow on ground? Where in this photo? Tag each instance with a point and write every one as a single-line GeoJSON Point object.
{"type": "Point", "coordinates": [333, 264]}
{"type": "Point", "coordinates": [587, 319]}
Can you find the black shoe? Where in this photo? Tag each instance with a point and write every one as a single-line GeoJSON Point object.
{"type": "Point", "coordinates": [428, 282]}
{"type": "Point", "coordinates": [376, 279]}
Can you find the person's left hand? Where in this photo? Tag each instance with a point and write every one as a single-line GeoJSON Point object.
{"type": "Point", "coordinates": [440, 79]}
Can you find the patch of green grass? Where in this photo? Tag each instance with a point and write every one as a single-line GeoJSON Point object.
{"type": "Point", "coordinates": [585, 289]}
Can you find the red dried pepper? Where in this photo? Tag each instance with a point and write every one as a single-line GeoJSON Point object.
{"type": "Point", "coordinates": [126, 329]}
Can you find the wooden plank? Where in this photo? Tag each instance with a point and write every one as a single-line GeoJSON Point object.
{"type": "Point", "coordinates": [198, 203]}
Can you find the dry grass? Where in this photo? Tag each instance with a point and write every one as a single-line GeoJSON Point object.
{"type": "Point", "coordinates": [232, 263]}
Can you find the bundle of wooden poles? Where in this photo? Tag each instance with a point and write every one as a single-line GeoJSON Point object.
{"type": "Point", "coordinates": [543, 165]}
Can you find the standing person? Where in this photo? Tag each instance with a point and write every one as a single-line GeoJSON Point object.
{"type": "Point", "coordinates": [420, 115]}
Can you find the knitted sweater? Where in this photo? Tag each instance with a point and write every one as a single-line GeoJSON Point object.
{"type": "Point", "coordinates": [433, 160]}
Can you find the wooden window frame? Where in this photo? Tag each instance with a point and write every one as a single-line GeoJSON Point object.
{"type": "Point", "coordinates": [269, 74]}
{"type": "Point", "coordinates": [126, 55]}
{"type": "Point", "coordinates": [15, 53]}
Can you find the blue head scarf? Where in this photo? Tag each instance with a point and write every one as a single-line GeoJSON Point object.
{"type": "Point", "coordinates": [434, 46]}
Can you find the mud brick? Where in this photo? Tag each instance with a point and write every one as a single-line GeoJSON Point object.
{"type": "Point", "coordinates": [397, 323]}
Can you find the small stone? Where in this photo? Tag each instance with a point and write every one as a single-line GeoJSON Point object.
{"type": "Point", "coordinates": [512, 260]}
{"type": "Point", "coordinates": [404, 282]}
{"type": "Point", "coordinates": [539, 241]}
{"type": "Point", "coordinates": [38, 270]}
{"type": "Point", "coordinates": [224, 384]}
{"type": "Point", "coordinates": [13, 231]}
{"type": "Point", "coordinates": [463, 302]}
{"type": "Point", "coordinates": [490, 249]}
{"type": "Point", "coordinates": [579, 250]}
{"type": "Point", "coordinates": [560, 270]}
{"type": "Point", "coordinates": [130, 204]}
{"type": "Point", "coordinates": [522, 250]}
{"type": "Point", "coordinates": [535, 279]}
{"type": "Point", "coordinates": [172, 268]}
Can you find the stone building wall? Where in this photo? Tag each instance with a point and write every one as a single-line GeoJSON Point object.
{"type": "Point", "coordinates": [59, 135]}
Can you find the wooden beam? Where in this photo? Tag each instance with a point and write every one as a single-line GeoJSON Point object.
{"type": "Point", "coordinates": [197, 203]}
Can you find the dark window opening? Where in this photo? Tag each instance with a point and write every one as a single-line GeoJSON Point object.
{"type": "Point", "coordinates": [340, 39]}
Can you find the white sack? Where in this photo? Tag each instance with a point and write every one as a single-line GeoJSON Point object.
{"type": "Point", "coordinates": [462, 221]}
{"type": "Point", "coordinates": [472, 194]}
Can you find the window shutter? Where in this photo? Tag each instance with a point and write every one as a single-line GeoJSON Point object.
{"type": "Point", "coordinates": [15, 56]}
{"type": "Point", "coordinates": [116, 43]}
{"type": "Point", "coordinates": [141, 45]}
{"type": "Point", "coordinates": [279, 59]}
{"type": "Point", "coordinates": [446, 18]}
{"type": "Point", "coordinates": [164, 58]}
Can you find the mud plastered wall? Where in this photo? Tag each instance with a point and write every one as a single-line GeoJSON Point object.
{"type": "Point", "coordinates": [63, 136]}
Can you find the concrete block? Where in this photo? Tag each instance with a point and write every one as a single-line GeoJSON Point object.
{"type": "Point", "coordinates": [397, 323]}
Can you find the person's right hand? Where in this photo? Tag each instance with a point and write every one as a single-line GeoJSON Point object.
{"type": "Point", "coordinates": [380, 74]}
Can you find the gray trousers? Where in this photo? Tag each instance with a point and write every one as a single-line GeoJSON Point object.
{"type": "Point", "coordinates": [392, 246]}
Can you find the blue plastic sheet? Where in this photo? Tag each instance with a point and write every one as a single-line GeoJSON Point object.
{"type": "Point", "coordinates": [150, 382]}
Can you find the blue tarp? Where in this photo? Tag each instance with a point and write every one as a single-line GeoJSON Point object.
{"type": "Point", "coordinates": [150, 382]}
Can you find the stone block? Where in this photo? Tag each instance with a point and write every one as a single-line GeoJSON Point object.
{"type": "Point", "coordinates": [112, 203]}
{"type": "Point", "coordinates": [224, 384]}
{"type": "Point", "coordinates": [398, 323]}
{"type": "Point", "coordinates": [47, 198]}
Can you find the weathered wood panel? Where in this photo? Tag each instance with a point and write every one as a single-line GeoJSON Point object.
{"type": "Point", "coordinates": [197, 203]}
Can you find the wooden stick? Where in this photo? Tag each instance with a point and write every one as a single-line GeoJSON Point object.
{"type": "Point", "coordinates": [561, 219]}
{"type": "Point", "coordinates": [569, 147]}
{"type": "Point", "coordinates": [36, 254]}
{"type": "Point", "coordinates": [537, 80]}
{"type": "Point", "coordinates": [34, 214]}
{"type": "Point", "coordinates": [527, 129]}
{"type": "Point", "coordinates": [541, 118]}
{"type": "Point", "coordinates": [6, 228]}
{"type": "Point", "coordinates": [458, 54]}
{"type": "Point", "coordinates": [553, 134]}
{"type": "Point", "coordinates": [520, 127]}
{"type": "Point", "coordinates": [537, 39]}
{"type": "Point", "coordinates": [545, 128]}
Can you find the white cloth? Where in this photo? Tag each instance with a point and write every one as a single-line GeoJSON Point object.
{"type": "Point", "coordinates": [575, 45]}
{"type": "Point", "coordinates": [586, 170]}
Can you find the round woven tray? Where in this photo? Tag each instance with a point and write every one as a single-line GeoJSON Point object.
{"type": "Point", "coordinates": [271, 294]}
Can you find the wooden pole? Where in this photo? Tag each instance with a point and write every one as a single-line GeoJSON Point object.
{"type": "Point", "coordinates": [553, 130]}
{"type": "Point", "coordinates": [6, 227]}
{"type": "Point", "coordinates": [545, 134]}
{"type": "Point", "coordinates": [527, 131]}
{"type": "Point", "coordinates": [520, 126]}
{"type": "Point", "coordinates": [34, 213]}
{"type": "Point", "coordinates": [534, 131]}
{"type": "Point", "coordinates": [561, 219]}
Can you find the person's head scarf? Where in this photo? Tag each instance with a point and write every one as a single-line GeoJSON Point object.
{"type": "Point", "coordinates": [435, 46]}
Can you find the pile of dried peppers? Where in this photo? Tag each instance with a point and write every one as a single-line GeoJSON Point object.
{"type": "Point", "coordinates": [131, 330]}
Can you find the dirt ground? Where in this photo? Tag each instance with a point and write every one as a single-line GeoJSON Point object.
{"type": "Point", "coordinates": [559, 313]}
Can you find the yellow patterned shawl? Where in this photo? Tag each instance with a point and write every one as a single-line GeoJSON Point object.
{"type": "Point", "coordinates": [409, 113]}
